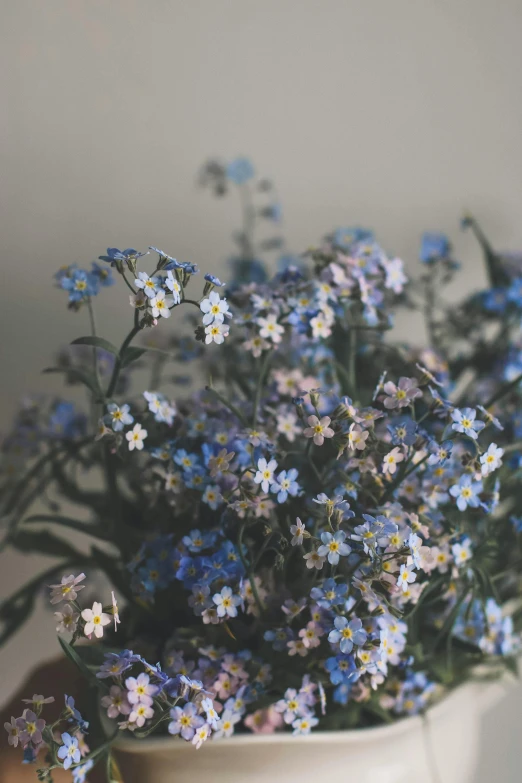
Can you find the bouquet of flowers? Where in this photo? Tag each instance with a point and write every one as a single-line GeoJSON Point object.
{"type": "Point", "coordinates": [319, 537]}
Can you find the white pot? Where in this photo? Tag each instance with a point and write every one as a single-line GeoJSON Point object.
{"type": "Point", "coordinates": [440, 748]}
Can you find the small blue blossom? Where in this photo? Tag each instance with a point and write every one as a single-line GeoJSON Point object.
{"type": "Point", "coordinates": [403, 431]}
{"type": "Point", "coordinates": [330, 594]}
{"type": "Point", "coordinates": [79, 773]}
{"type": "Point", "coordinates": [239, 171]}
{"type": "Point", "coordinates": [285, 485]}
{"type": "Point", "coordinates": [279, 638]}
{"type": "Point", "coordinates": [434, 247]}
{"type": "Point", "coordinates": [334, 546]}
{"type": "Point", "coordinates": [114, 255]}
{"type": "Point", "coordinates": [69, 752]}
{"type": "Point", "coordinates": [440, 452]}
{"type": "Point", "coordinates": [347, 633]}
{"type": "Point", "coordinates": [465, 421]}
{"type": "Point", "coordinates": [74, 715]}
{"type": "Point", "coordinates": [342, 669]}
{"type": "Point", "coordinates": [466, 492]}
{"type": "Point", "coordinates": [116, 663]}
{"type": "Point", "coordinates": [118, 416]}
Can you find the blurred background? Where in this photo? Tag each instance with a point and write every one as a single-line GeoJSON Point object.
{"type": "Point", "coordinates": [393, 114]}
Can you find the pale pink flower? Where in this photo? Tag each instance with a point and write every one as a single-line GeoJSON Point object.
{"type": "Point", "coordinates": [264, 721]}
{"type": "Point", "coordinates": [318, 429]}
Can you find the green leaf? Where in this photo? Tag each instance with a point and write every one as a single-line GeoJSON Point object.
{"type": "Point", "coordinates": [77, 374]}
{"type": "Point", "coordinates": [131, 354]}
{"type": "Point", "coordinates": [113, 771]}
{"type": "Point", "coordinates": [87, 528]}
{"type": "Point", "coordinates": [44, 543]}
{"type": "Point", "coordinates": [83, 668]}
{"type": "Point", "coordinates": [97, 342]}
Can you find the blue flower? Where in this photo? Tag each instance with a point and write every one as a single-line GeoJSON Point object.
{"type": "Point", "coordinates": [342, 669]}
{"type": "Point", "coordinates": [81, 771]}
{"type": "Point", "coordinates": [285, 485]}
{"type": "Point", "coordinates": [103, 276]}
{"type": "Point", "coordinates": [434, 247]}
{"type": "Point", "coordinates": [118, 416]}
{"type": "Point", "coordinates": [466, 492]}
{"type": "Point", "coordinates": [214, 280]}
{"type": "Point", "coordinates": [440, 452]}
{"type": "Point", "coordinates": [403, 430]}
{"type": "Point", "coordinates": [375, 531]}
{"type": "Point", "coordinates": [514, 293]}
{"type": "Point", "coordinates": [74, 715]}
{"type": "Point", "coordinates": [333, 546]}
{"type": "Point", "coordinates": [279, 637]}
{"type": "Point", "coordinates": [347, 633]}
{"type": "Point", "coordinates": [342, 693]}
{"type": "Point", "coordinates": [114, 255]}
{"type": "Point", "coordinates": [346, 237]}
{"type": "Point", "coordinates": [196, 540]}
{"type": "Point", "coordinates": [80, 284]}
{"type": "Point", "coordinates": [494, 300]}
{"type": "Point", "coordinates": [116, 663]}
{"type": "Point", "coordinates": [330, 594]}
{"type": "Point", "coordinates": [69, 752]}
{"type": "Point", "coordinates": [464, 421]}
{"type": "Point", "coordinates": [239, 171]}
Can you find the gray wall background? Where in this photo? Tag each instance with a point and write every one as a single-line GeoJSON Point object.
{"type": "Point", "coordinates": [396, 114]}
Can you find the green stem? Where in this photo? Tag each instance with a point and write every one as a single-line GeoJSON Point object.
{"type": "Point", "coordinates": [129, 286]}
{"type": "Point", "coordinates": [227, 404]}
{"type": "Point", "coordinates": [117, 366]}
{"type": "Point", "coordinates": [260, 381]}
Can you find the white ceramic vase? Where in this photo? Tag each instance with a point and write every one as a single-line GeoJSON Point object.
{"type": "Point", "coordinates": [440, 748]}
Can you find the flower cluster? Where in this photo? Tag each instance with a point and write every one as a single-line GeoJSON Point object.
{"type": "Point", "coordinates": [321, 537]}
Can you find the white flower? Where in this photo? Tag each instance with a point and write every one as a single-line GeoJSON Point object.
{"type": "Point", "coordinates": [216, 332]}
{"type": "Point", "coordinates": [201, 734]}
{"type": "Point", "coordinates": [406, 576]}
{"type": "Point", "coordinates": [160, 305]}
{"type": "Point", "coordinates": [67, 619]}
{"type": "Point", "coordinates": [389, 463]}
{"type": "Point", "coordinates": [287, 426]}
{"type": "Point", "coordinates": [68, 588]}
{"type": "Point", "coordinates": [215, 309]}
{"type": "Point", "coordinates": [136, 436]}
{"type": "Point", "coordinates": [95, 620]}
{"type": "Point", "coordinates": [270, 329]}
{"type": "Point", "coordinates": [321, 327]}
{"type": "Point", "coordinates": [298, 531]}
{"type": "Point", "coordinates": [115, 614]}
{"type": "Point", "coordinates": [173, 482]}
{"type": "Point", "coordinates": [265, 473]}
{"type": "Point", "coordinates": [491, 459]}
{"type": "Point", "coordinates": [314, 560]}
{"type": "Point", "coordinates": [173, 285]}
{"type": "Point", "coordinates": [357, 437]}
